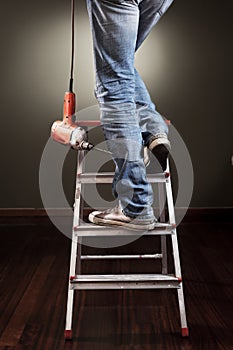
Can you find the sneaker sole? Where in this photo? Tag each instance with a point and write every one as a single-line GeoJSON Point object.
{"type": "Point", "coordinates": [129, 225]}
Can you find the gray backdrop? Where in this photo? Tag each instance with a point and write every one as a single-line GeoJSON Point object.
{"type": "Point", "coordinates": [186, 63]}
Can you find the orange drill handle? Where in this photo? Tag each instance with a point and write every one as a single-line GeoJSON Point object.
{"type": "Point", "coordinates": [69, 108]}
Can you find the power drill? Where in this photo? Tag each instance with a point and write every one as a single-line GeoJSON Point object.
{"type": "Point", "coordinates": [66, 131]}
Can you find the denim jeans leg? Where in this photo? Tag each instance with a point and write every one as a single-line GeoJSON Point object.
{"type": "Point", "coordinates": [150, 13]}
{"type": "Point", "coordinates": [150, 120]}
{"type": "Point", "coordinates": [114, 28]}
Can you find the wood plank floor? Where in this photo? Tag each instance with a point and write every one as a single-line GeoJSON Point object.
{"type": "Point", "coordinates": [34, 261]}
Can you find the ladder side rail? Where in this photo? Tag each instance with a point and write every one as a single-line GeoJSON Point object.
{"type": "Point", "coordinates": [172, 221]}
{"type": "Point", "coordinates": [80, 171]}
{"type": "Point", "coordinates": [176, 257]}
{"type": "Point", "coordinates": [74, 263]}
{"type": "Point", "coordinates": [162, 202]}
{"type": "Point", "coordinates": [78, 212]}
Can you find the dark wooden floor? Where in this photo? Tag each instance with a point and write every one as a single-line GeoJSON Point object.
{"type": "Point", "coordinates": [34, 260]}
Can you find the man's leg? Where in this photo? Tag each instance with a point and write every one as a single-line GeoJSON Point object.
{"type": "Point", "coordinates": [153, 126]}
{"type": "Point", "coordinates": [115, 29]}
{"type": "Point", "coordinates": [150, 13]}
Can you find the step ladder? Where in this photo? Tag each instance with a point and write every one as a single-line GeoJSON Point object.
{"type": "Point", "coordinates": [81, 229]}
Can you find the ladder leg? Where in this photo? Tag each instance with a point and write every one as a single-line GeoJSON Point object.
{"type": "Point", "coordinates": [78, 263]}
{"type": "Point", "coordinates": [79, 210]}
{"type": "Point", "coordinates": [164, 254]}
{"type": "Point", "coordinates": [70, 297]}
{"type": "Point", "coordinates": [183, 320]}
{"type": "Point", "coordinates": [75, 259]}
{"type": "Point", "coordinates": [162, 201]}
{"type": "Point", "coordinates": [171, 213]}
{"type": "Point", "coordinates": [180, 293]}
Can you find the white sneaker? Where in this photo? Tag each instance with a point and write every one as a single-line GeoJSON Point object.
{"type": "Point", "coordinates": [115, 216]}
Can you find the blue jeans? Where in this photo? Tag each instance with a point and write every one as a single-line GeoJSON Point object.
{"type": "Point", "coordinates": [128, 116]}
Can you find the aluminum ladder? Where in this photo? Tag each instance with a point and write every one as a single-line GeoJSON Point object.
{"type": "Point", "coordinates": [79, 281]}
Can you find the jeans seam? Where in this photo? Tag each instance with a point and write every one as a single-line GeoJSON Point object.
{"type": "Point", "coordinates": [160, 12]}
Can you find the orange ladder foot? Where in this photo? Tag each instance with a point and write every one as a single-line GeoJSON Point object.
{"type": "Point", "coordinates": [68, 334]}
{"type": "Point", "coordinates": [184, 332]}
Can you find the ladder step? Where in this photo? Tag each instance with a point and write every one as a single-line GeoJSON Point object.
{"type": "Point", "coordinates": [106, 177]}
{"type": "Point", "coordinates": [86, 229]}
{"type": "Point", "coordinates": [135, 281]}
{"type": "Point", "coordinates": [135, 256]}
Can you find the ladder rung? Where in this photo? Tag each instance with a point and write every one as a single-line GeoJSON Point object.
{"type": "Point", "coordinates": [98, 230]}
{"type": "Point", "coordinates": [135, 256]}
{"type": "Point", "coordinates": [135, 281]}
{"type": "Point", "coordinates": [106, 177]}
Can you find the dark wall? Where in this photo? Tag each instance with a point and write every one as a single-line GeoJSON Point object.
{"type": "Point", "coordinates": [186, 63]}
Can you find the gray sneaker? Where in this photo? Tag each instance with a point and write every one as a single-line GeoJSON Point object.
{"type": "Point", "coordinates": [115, 216]}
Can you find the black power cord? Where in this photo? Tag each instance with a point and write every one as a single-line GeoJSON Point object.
{"type": "Point", "coordinates": [72, 47]}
